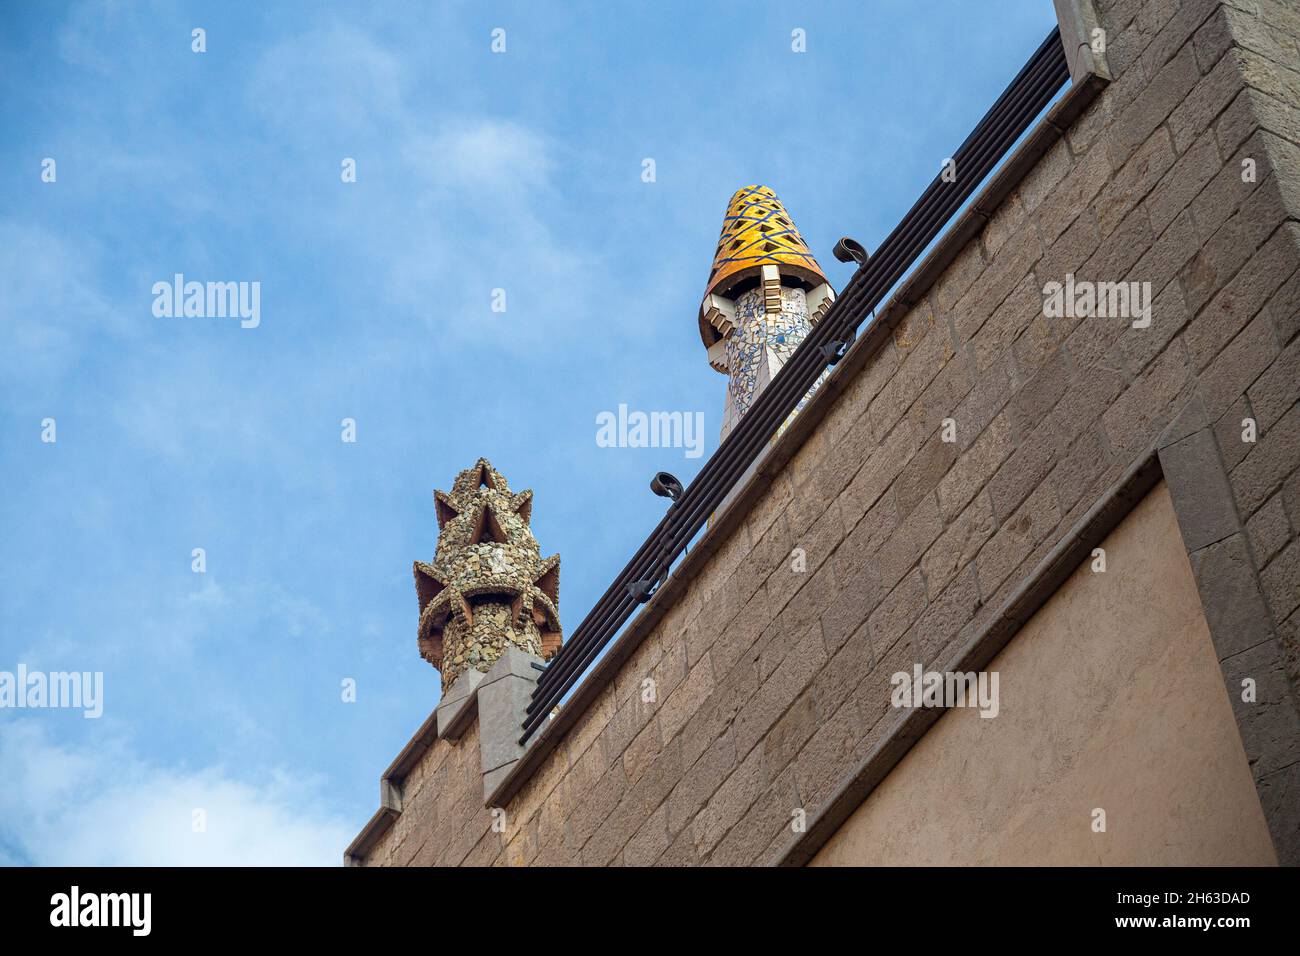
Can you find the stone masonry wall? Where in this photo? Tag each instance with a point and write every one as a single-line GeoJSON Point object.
{"type": "Point", "coordinates": [443, 821]}
{"type": "Point", "coordinates": [770, 683]}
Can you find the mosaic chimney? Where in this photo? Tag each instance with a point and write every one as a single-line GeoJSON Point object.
{"type": "Point", "coordinates": [765, 293]}
{"type": "Point", "coordinates": [488, 587]}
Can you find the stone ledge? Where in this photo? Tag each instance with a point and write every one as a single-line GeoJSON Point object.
{"type": "Point", "coordinates": [370, 834]}
{"type": "Point", "coordinates": [390, 788]}
{"type": "Point", "coordinates": [497, 699]}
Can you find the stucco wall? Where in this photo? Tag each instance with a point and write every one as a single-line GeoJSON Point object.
{"type": "Point", "coordinates": [772, 682]}
{"type": "Point", "coordinates": [1110, 698]}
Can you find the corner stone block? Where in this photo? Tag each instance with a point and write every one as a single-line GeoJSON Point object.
{"type": "Point", "coordinates": [503, 696]}
{"type": "Point", "coordinates": [1202, 497]}
{"type": "Point", "coordinates": [1280, 794]}
{"type": "Point", "coordinates": [492, 779]}
{"type": "Point", "coordinates": [1230, 597]}
{"type": "Point", "coordinates": [456, 708]}
{"type": "Point", "coordinates": [390, 796]}
{"type": "Point", "coordinates": [1186, 423]}
{"type": "Point", "coordinates": [1269, 725]}
{"type": "Point", "coordinates": [1077, 19]}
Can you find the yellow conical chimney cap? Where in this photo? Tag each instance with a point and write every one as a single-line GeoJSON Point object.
{"type": "Point", "coordinates": [756, 232]}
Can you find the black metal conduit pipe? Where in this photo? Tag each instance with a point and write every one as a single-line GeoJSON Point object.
{"type": "Point", "coordinates": [1023, 99]}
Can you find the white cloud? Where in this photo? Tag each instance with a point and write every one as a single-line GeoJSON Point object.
{"type": "Point", "coordinates": [150, 619]}
{"type": "Point", "coordinates": [497, 158]}
{"type": "Point", "coordinates": [52, 306]}
{"type": "Point", "coordinates": [100, 805]}
{"type": "Point", "coordinates": [455, 204]}
{"type": "Point", "coordinates": [81, 39]}
{"type": "Point", "coordinates": [327, 82]}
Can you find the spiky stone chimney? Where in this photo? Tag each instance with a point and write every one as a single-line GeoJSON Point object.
{"type": "Point", "coordinates": [488, 587]}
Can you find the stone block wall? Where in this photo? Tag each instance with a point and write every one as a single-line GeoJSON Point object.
{"type": "Point", "coordinates": [443, 820]}
{"type": "Point", "coordinates": [880, 545]}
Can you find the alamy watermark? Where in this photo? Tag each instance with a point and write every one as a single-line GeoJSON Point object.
{"type": "Point", "coordinates": [74, 690]}
{"type": "Point", "coordinates": [626, 429]}
{"type": "Point", "coordinates": [75, 908]}
{"type": "Point", "coordinates": [1100, 300]}
{"type": "Point", "coordinates": [213, 300]}
{"type": "Point", "coordinates": [923, 688]}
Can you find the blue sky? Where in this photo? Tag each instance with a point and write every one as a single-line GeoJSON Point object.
{"type": "Point", "coordinates": [475, 171]}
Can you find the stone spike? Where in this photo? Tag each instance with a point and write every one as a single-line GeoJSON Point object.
{"type": "Point", "coordinates": [523, 505]}
{"type": "Point", "coordinates": [444, 508]}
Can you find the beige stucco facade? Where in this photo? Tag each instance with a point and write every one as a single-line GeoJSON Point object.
{"type": "Point", "coordinates": [1110, 699]}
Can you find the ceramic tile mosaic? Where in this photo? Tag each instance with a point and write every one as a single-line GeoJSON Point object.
{"type": "Point", "coordinates": [757, 231]}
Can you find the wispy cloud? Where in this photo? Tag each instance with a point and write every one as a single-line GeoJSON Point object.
{"type": "Point", "coordinates": [53, 306]}
{"type": "Point", "coordinates": [451, 206]}
{"type": "Point", "coordinates": [327, 83]}
{"type": "Point", "coordinates": [103, 805]}
{"type": "Point", "coordinates": [492, 160]}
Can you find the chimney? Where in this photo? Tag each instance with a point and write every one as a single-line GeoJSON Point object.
{"type": "Point", "coordinates": [765, 293]}
{"type": "Point", "coordinates": [488, 588]}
